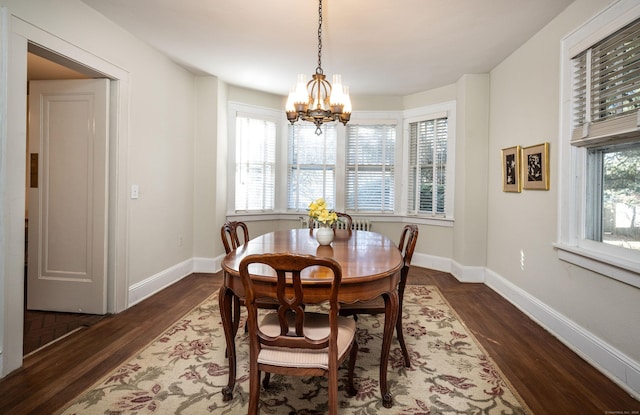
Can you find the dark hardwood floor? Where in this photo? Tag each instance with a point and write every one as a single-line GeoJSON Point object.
{"type": "Point", "coordinates": [550, 377]}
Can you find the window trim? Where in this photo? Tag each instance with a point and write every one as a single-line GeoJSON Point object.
{"type": "Point", "coordinates": [445, 109]}
{"type": "Point", "coordinates": [572, 246]}
{"type": "Point", "coordinates": [373, 118]}
{"type": "Point", "coordinates": [236, 109]}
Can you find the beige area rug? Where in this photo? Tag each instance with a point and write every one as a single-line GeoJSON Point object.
{"type": "Point", "coordinates": [184, 370]}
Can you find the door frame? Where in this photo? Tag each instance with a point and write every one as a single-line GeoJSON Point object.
{"type": "Point", "coordinates": [15, 37]}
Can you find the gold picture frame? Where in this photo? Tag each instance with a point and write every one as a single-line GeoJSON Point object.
{"type": "Point", "coordinates": [535, 167]}
{"type": "Point", "coordinates": [511, 177]}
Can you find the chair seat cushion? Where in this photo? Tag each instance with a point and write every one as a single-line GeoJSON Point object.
{"type": "Point", "coordinates": [316, 326]}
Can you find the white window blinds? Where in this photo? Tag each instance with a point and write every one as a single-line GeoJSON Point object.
{"type": "Point", "coordinates": [311, 165]}
{"type": "Point", "coordinates": [427, 166]}
{"type": "Point", "coordinates": [370, 168]}
{"type": "Point", "coordinates": [606, 85]}
{"type": "Point", "coordinates": [255, 164]}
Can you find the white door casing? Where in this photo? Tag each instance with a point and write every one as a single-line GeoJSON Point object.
{"type": "Point", "coordinates": [68, 196]}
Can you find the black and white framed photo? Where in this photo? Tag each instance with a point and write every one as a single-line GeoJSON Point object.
{"type": "Point", "coordinates": [511, 181]}
{"type": "Point", "coordinates": [535, 165]}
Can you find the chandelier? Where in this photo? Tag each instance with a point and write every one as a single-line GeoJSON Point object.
{"type": "Point", "coordinates": [317, 101]}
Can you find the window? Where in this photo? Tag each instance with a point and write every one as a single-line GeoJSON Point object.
{"type": "Point", "coordinates": [428, 142]}
{"type": "Point", "coordinates": [613, 212]}
{"type": "Point", "coordinates": [311, 165]}
{"type": "Point", "coordinates": [255, 164]}
{"type": "Point", "coordinates": [600, 195]}
{"type": "Point", "coordinates": [607, 99]}
{"type": "Point", "coordinates": [370, 168]}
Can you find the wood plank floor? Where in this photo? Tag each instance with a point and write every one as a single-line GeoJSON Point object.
{"type": "Point", "coordinates": [550, 378]}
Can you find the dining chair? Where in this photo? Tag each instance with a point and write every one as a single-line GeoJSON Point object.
{"type": "Point", "coordinates": [229, 234]}
{"type": "Point", "coordinates": [294, 341]}
{"type": "Point", "coordinates": [407, 244]}
{"type": "Point", "coordinates": [231, 240]}
{"type": "Point", "coordinates": [235, 234]}
{"type": "Point", "coordinates": [346, 218]}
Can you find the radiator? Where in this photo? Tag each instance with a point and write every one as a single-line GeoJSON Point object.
{"type": "Point", "coordinates": [358, 224]}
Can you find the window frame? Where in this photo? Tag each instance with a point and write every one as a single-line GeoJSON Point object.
{"type": "Point", "coordinates": [573, 246]}
{"type": "Point", "coordinates": [243, 110]}
{"type": "Point", "coordinates": [310, 127]}
{"type": "Point", "coordinates": [368, 118]}
{"type": "Point", "coordinates": [431, 112]}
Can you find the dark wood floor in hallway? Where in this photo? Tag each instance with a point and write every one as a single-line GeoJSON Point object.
{"type": "Point", "coordinates": [549, 376]}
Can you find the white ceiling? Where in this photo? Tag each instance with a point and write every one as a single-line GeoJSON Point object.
{"type": "Point", "coordinates": [397, 47]}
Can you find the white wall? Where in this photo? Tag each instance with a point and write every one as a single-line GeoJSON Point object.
{"type": "Point", "coordinates": [597, 315]}
{"type": "Point", "coordinates": [156, 151]}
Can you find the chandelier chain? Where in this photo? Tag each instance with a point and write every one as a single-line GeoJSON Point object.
{"type": "Point", "coordinates": [319, 68]}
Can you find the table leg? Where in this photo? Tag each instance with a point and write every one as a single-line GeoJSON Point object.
{"type": "Point", "coordinates": [226, 299]}
{"type": "Point", "coordinates": [390, 317]}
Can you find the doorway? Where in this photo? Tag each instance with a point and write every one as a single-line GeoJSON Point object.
{"type": "Point", "coordinates": [43, 327]}
{"type": "Point", "coordinates": [16, 38]}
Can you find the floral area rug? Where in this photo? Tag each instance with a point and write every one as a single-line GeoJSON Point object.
{"type": "Point", "coordinates": [184, 370]}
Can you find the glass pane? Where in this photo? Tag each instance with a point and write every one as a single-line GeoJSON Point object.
{"type": "Point", "coordinates": [370, 161]}
{"type": "Point", "coordinates": [621, 196]}
{"type": "Point", "coordinates": [255, 164]}
{"type": "Point", "coordinates": [311, 165]}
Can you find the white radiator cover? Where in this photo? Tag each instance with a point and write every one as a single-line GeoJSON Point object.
{"type": "Point", "coordinates": [358, 224]}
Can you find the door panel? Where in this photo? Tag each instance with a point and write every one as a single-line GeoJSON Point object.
{"type": "Point", "coordinates": [68, 209]}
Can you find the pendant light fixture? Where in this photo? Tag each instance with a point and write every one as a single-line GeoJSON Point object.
{"type": "Point", "coordinates": [317, 101]}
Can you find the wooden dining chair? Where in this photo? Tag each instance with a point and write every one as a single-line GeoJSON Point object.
{"type": "Point", "coordinates": [293, 341]}
{"type": "Point", "coordinates": [231, 240]}
{"type": "Point", "coordinates": [346, 218]}
{"type": "Point", "coordinates": [407, 244]}
{"type": "Point", "coordinates": [235, 234]}
{"type": "Point", "coordinates": [230, 236]}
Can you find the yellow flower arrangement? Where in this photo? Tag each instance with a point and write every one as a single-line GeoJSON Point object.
{"type": "Point", "coordinates": [318, 211]}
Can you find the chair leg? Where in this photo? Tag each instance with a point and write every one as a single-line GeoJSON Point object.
{"type": "Point", "coordinates": [265, 381]}
{"type": "Point", "coordinates": [332, 378]}
{"type": "Point", "coordinates": [403, 346]}
{"type": "Point", "coordinates": [351, 390]}
{"type": "Point", "coordinates": [254, 391]}
{"type": "Point", "coordinates": [236, 315]}
{"type": "Point", "coordinates": [235, 320]}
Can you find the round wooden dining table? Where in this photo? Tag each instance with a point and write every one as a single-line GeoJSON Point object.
{"type": "Point", "coordinates": [371, 265]}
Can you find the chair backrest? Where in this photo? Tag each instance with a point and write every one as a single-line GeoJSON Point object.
{"type": "Point", "coordinates": [290, 294]}
{"type": "Point", "coordinates": [229, 234]}
{"type": "Point", "coordinates": [407, 244]}
{"type": "Point", "coordinates": [346, 218]}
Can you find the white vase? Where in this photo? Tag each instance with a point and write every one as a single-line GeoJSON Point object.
{"type": "Point", "coordinates": [324, 235]}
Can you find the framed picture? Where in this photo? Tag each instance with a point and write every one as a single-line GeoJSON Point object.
{"type": "Point", "coordinates": [511, 169]}
{"type": "Point", "coordinates": [535, 165]}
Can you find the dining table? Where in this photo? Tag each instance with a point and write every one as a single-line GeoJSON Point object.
{"type": "Point", "coordinates": [371, 265]}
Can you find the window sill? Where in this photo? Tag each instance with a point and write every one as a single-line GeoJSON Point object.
{"type": "Point", "coordinates": [420, 220]}
{"type": "Point", "coordinates": [617, 268]}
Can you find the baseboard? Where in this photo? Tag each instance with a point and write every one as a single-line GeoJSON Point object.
{"type": "Point", "coordinates": [207, 265]}
{"type": "Point", "coordinates": [431, 262]}
{"type": "Point", "coordinates": [614, 364]}
{"type": "Point", "coordinates": [460, 272]}
{"type": "Point", "coordinates": [155, 283]}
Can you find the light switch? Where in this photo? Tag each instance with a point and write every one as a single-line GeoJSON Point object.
{"type": "Point", "coordinates": [135, 191]}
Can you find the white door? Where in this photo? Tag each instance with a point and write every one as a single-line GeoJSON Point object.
{"type": "Point", "coordinates": [67, 192]}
